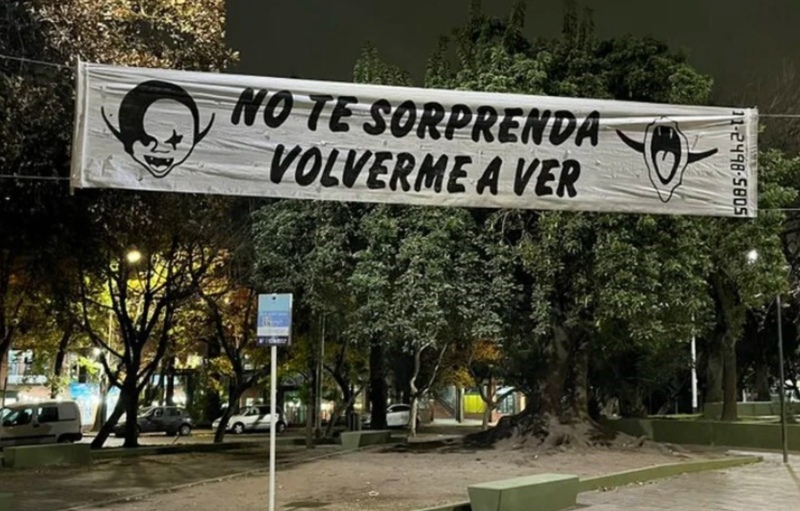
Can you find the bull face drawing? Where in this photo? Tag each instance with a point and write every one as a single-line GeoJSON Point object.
{"type": "Point", "coordinates": [666, 155]}
{"type": "Point", "coordinates": [159, 126]}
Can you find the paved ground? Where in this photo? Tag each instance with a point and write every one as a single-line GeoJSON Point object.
{"type": "Point", "coordinates": [389, 479]}
{"type": "Point", "coordinates": [768, 486]}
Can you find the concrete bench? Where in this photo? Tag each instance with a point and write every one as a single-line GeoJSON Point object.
{"type": "Point", "coordinates": [357, 439]}
{"type": "Point", "coordinates": [33, 456]}
{"type": "Point", "coordinates": [545, 492]}
{"type": "Point", "coordinates": [7, 502]}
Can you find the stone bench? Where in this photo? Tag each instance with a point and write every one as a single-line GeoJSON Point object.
{"type": "Point", "coordinates": [7, 502]}
{"type": "Point", "coordinates": [357, 439]}
{"type": "Point", "coordinates": [545, 492]}
{"type": "Point", "coordinates": [33, 456]}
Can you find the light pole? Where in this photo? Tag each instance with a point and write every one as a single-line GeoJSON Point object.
{"type": "Point", "coordinates": [695, 404]}
{"type": "Point", "coordinates": [784, 437]}
{"type": "Point", "coordinates": [752, 257]}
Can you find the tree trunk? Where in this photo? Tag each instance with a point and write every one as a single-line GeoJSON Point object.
{"type": "Point", "coordinates": [412, 421]}
{"type": "Point", "coordinates": [58, 368]}
{"type": "Point", "coordinates": [377, 385]}
{"type": "Point", "coordinates": [100, 416]}
{"type": "Point", "coordinates": [190, 387]}
{"type": "Point", "coordinates": [489, 404]}
{"type": "Point", "coordinates": [170, 392]}
{"type": "Point", "coordinates": [129, 395]}
{"type": "Point", "coordinates": [762, 381]}
{"type": "Point", "coordinates": [554, 383]}
{"type": "Point", "coordinates": [233, 399]}
{"type": "Point", "coordinates": [108, 427]}
{"type": "Point", "coordinates": [580, 383]}
{"type": "Point", "coordinates": [714, 368]}
{"type": "Point", "coordinates": [730, 395]}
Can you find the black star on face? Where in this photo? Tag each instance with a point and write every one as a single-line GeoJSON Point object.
{"type": "Point", "coordinates": [158, 141]}
{"type": "Point", "coordinates": [666, 154]}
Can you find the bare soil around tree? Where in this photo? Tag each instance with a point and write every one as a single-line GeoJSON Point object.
{"type": "Point", "coordinates": [398, 478]}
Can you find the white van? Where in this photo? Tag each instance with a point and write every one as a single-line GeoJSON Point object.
{"type": "Point", "coordinates": [40, 423]}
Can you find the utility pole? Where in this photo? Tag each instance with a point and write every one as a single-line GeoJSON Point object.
{"type": "Point", "coordinates": [781, 385]}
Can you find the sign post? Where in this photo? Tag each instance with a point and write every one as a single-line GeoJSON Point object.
{"type": "Point", "coordinates": [274, 329]}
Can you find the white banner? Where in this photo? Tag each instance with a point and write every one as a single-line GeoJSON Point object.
{"type": "Point", "coordinates": [177, 131]}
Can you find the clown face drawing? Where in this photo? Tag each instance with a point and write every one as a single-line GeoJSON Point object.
{"type": "Point", "coordinates": [666, 155]}
{"type": "Point", "coordinates": [159, 126]}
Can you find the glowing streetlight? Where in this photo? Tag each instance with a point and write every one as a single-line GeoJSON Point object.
{"type": "Point", "coordinates": [133, 256]}
{"type": "Point", "coordinates": [752, 256]}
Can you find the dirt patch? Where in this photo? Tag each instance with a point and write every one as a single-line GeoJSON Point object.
{"type": "Point", "coordinates": [398, 479]}
{"type": "Point", "coordinates": [62, 488]}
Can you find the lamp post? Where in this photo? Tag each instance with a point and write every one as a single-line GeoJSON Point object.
{"type": "Point", "coordinates": [695, 404]}
{"type": "Point", "coordinates": [784, 437]}
{"type": "Point", "coordinates": [752, 257]}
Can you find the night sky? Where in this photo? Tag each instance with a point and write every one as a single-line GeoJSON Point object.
{"type": "Point", "coordinates": [736, 41]}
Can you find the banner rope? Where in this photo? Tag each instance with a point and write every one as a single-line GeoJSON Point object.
{"type": "Point", "coordinates": [34, 61]}
{"type": "Point", "coordinates": [64, 66]}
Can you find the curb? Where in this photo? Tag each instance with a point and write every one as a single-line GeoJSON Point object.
{"type": "Point", "coordinates": [120, 452]}
{"type": "Point", "coordinates": [111, 453]}
{"type": "Point", "coordinates": [637, 475]}
{"type": "Point", "coordinates": [643, 475]}
{"type": "Point", "coordinates": [239, 475]}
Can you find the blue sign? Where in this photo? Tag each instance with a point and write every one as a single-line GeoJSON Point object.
{"type": "Point", "coordinates": [274, 320]}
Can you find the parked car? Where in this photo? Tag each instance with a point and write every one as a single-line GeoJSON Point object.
{"type": "Point", "coordinates": [254, 418]}
{"type": "Point", "coordinates": [41, 423]}
{"type": "Point", "coordinates": [397, 416]}
{"type": "Point", "coordinates": [172, 420]}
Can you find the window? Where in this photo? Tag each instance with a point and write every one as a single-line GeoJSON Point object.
{"type": "Point", "coordinates": [47, 414]}
{"type": "Point", "coordinates": [158, 412]}
{"type": "Point", "coordinates": [18, 417]}
{"type": "Point", "coordinates": [251, 412]}
{"type": "Point", "coordinates": [173, 412]}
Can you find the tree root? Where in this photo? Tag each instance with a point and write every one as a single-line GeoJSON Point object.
{"type": "Point", "coordinates": [545, 432]}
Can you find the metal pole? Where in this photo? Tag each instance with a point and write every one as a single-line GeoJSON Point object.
{"type": "Point", "coordinates": [781, 385]}
{"type": "Point", "coordinates": [695, 404]}
{"type": "Point", "coordinates": [273, 397]}
{"type": "Point", "coordinates": [2, 407]}
{"type": "Point", "coordinates": [695, 401]}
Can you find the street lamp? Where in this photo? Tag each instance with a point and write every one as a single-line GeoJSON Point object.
{"type": "Point", "coordinates": [133, 256]}
{"type": "Point", "coordinates": [752, 257]}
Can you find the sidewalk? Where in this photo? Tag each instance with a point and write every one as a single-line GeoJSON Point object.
{"type": "Point", "coordinates": [767, 486]}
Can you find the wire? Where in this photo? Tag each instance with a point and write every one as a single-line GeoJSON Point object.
{"type": "Point", "coordinates": [34, 61]}
{"type": "Point", "coordinates": [34, 178]}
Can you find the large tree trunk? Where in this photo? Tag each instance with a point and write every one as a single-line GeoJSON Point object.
{"type": "Point", "coordinates": [762, 380]}
{"type": "Point", "coordinates": [713, 393]}
{"type": "Point", "coordinates": [489, 402]}
{"type": "Point", "coordinates": [730, 318]}
{"type": "Point", "coordinates": [170, 391]}
{"type": "Point", "coordinates": [550, 402]}
{"type": "Point", "coordinates": [130, 397]}
{"type": "Point", "coordinates": [412, 420]}
{"type": "Point", "coordinates": [105, 431]}
{"type": "Point", "coordinates": [730, 395]}
{"type": "Point", "coordinates": [377, 385]}
{"type": "Point", "coordinates": [58, 367]}
{"type": "Point", "coordinates": [579, 411]}
{"type": "Point", "coordinates": [234, 395]}
{"type": "Point", "coordinates": [100, 416]}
